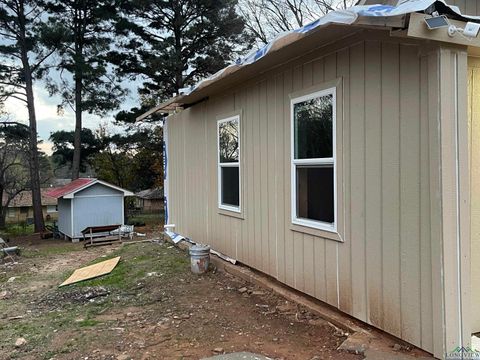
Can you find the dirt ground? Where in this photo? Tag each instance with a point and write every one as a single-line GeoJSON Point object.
{"type": "Point", "coordinates": [149, 307]}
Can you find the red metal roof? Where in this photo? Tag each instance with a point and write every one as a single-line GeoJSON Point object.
{"type": "Point", "coordinates": [69, 188]}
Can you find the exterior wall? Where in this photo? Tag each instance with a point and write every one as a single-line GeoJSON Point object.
{"type": "Point", "coordinates": [467, 7]}
{"type": "Point", "coordinates": [18, 216]}
{"type": "Point", "coordinates": [389, 270]}
{"type": "Point", "coordinates": [98, 189]}
{"type": "Point", "coordinates": [152, 205]}
{"type": "Point", "coordinates": [95, 206]}
{"type": "Point", "coordinates": [474, 141]}
{"type": "Point", "coordinates": [65, 216]}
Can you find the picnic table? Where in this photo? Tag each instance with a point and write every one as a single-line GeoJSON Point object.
{"type": "Point", "coordinates": [101, 235]}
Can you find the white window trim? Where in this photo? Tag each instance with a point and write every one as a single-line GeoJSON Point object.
{"type": "Point", "coordinates": [301, 221]}
{"type": "Point", "coordinates": [236, 209]}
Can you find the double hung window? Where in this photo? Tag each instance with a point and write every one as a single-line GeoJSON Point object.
{"type": "Point", "coordinates": [228, 140]}
{"type": "Point", "coordinates": [313, 160]}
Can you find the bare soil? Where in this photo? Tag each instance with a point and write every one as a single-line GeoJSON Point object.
{"type": "Point", "coordinates": [150, 307]}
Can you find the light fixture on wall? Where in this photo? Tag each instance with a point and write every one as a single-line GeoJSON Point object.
{"type": "Point", "coordinates": [437, 22]}
{"type": "Point", "coordinates": [470, 31]}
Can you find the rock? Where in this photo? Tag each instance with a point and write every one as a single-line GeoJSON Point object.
{"type": "Point", "coordinates": [399, 347]}
{"type": "Point", "coordinates": [357, 343]}
{"type": "Point", "coordinates": [258, 293]}
{"type": "Point", "coordinates": [20, 342]}
{"type": "Point", "coordinates": [242, 290]}
{"type": "Point", "coordinates": [123, 357]}
{"type": "Point", "coordinates": [218, 350]}
{"type": "Point", "coordinates": [4, 295]}
{"type": "Point", "coordinates": [12, 279]}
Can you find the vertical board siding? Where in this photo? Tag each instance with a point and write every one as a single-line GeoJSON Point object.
{"type": "Point", "coordinates": [382, 271]}
{"type": "Point", "coordinates": [467, 7]}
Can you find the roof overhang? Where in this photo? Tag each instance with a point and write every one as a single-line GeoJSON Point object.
{"type": "Point", "coordinates": [71, 195]}
{"type": "Point", "coordinates": [290, 47]}
{"type": "Point", "coordinates": [404, 18]}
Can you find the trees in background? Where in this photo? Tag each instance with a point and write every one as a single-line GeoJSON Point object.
{"type": "Point", "coordinates": [63, 148]}
{"type": "Point", "coordinates": [132, 160]}
{"type": "Point", "coordinates": [14, 162]}
{"type": "Point", "coordinates": [22, 60]}
{"type": "Point", "coordinates": [173, 44]}
{"type": "Point", "coordinates": [84, 76]}
{"type": "Point", "coordinates": [266, 18]}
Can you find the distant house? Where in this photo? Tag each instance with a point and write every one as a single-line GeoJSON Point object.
{"type": "Point", "coordinates": [150, 199]}
{"type": "Point", "coordinates": [20, 208]}
{"type": "Point", "coordinates": [88, 202]}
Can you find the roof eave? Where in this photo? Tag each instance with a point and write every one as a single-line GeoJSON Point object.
{"type": "Point", "coordinates": [279, 54]}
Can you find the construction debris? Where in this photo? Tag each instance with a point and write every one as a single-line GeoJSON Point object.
{"type": "Point", "coordinates": [20, 342]}
{"type": "Point", "coordinates": [92, 271]}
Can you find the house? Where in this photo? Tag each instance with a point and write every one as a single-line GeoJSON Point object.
{"type": "Point", "coordinates": [88, 202]}
{"type": "Point", "coordinates": [20, 207]}
{"type": "Point", "coordinates": [343, 160]}
{"type": "Point", "coordinates": [149, 200]}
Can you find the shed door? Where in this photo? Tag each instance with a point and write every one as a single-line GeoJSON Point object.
{"type": "Point", "coordinates": [474, 141]}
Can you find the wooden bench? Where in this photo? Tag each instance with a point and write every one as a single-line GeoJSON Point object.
{"type": "Point", "coordinates": [100, 235]}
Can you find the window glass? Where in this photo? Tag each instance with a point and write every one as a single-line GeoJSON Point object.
{"type": "Point", "coordinates": [228, 132]}
{"type": "Point", "coordinates": [313, 120]}
{"type": "Point", "coordinates": [315, 198]}
{"type": "Point", "coordinates": [230, 186]}
{"type": "Point", "coordinates": [228, 141]}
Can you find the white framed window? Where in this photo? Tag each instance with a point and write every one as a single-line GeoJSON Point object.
{"type": "Point", "coordinates": [11, 212]}
{"type": "Point", "coordinates": [313, 152]}
{"type": "Point", "coordinates": [52, 208]}
{"type": "Point", "coordinates": [228, 149]}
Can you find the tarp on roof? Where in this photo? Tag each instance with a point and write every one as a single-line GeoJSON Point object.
{"type": "Point", "coordinates": [71, 187]}
{"type": "Point", "coordinates": [345, 17]}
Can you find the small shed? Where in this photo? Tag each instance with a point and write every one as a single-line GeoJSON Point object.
{"type": "Point", "coordinates": [88, 202]}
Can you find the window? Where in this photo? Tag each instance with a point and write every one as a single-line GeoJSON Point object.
{"type": "Point", "coordinates": [52, 208]}
{"type": "Point", "coordinates": [11, 212]}
{"type": "Point", "coordinates": [24, 210]}
{"type": "Point", "coordinates": [313, 160]}
{"type": "Point", "coordinates": [228, 134]}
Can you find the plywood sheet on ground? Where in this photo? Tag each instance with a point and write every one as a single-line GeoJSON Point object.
{"type": "Point", "coordinates": [92, 271]}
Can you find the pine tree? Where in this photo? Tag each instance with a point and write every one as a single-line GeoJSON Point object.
{"type": "Point", "coordinates": [87, 81]}
{"type": "Point", "coordinates": [173, 44]}
{"type": "Point", "coordinates": [21, 62]}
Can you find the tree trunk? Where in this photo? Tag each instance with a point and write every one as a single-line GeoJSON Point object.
{"type": "Point", "coordinates": [77, 137]}
{"type": "Point", "coordinates": [39, 224]}
{"type": "Point", "coordinates": [3, 212]}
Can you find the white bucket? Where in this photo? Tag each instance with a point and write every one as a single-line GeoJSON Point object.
{"type": "Point", "coordinates": [199, 258]}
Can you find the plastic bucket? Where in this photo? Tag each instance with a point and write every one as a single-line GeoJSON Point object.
{"type": "Point", "coordinates": [199, 258]}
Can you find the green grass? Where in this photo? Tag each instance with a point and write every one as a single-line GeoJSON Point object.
{"type": "Point", "coordinates": [156, 218]}
{"type": "Point", "coordinates": [20, 229]}
{"type": "Point", "coordinates": [40, 326]}
{"type": "Point", "coordinates": [136, 261]}
{"type": "Point", "coordinates": [88, 323]}
{"type": "Point", "coordinates": [50, 250]}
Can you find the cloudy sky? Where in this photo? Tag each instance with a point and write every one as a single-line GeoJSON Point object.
{"type": "Point", "coordinates": [49, 121]}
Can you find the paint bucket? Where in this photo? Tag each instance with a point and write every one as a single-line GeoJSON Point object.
{"type": "Point", "coordinates": [199, 258]}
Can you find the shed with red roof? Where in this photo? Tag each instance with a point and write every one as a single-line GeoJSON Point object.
{"type": "Point", "coordinates": [88, 202]}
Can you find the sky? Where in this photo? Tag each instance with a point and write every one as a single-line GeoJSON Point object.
{"type": "Point", "coordinates": [49, 121]}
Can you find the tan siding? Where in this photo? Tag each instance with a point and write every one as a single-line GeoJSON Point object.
{"type": "Point", "coordinates": [409, 192]}
{"type": "Point", "coordinates": [373, 177]}
{"type": "Point", "coordinates": [388, 184]}
{"type": "Point", "coordinates": [468, 7]}
{"type": "Point", "coordinates": [390, 188]}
